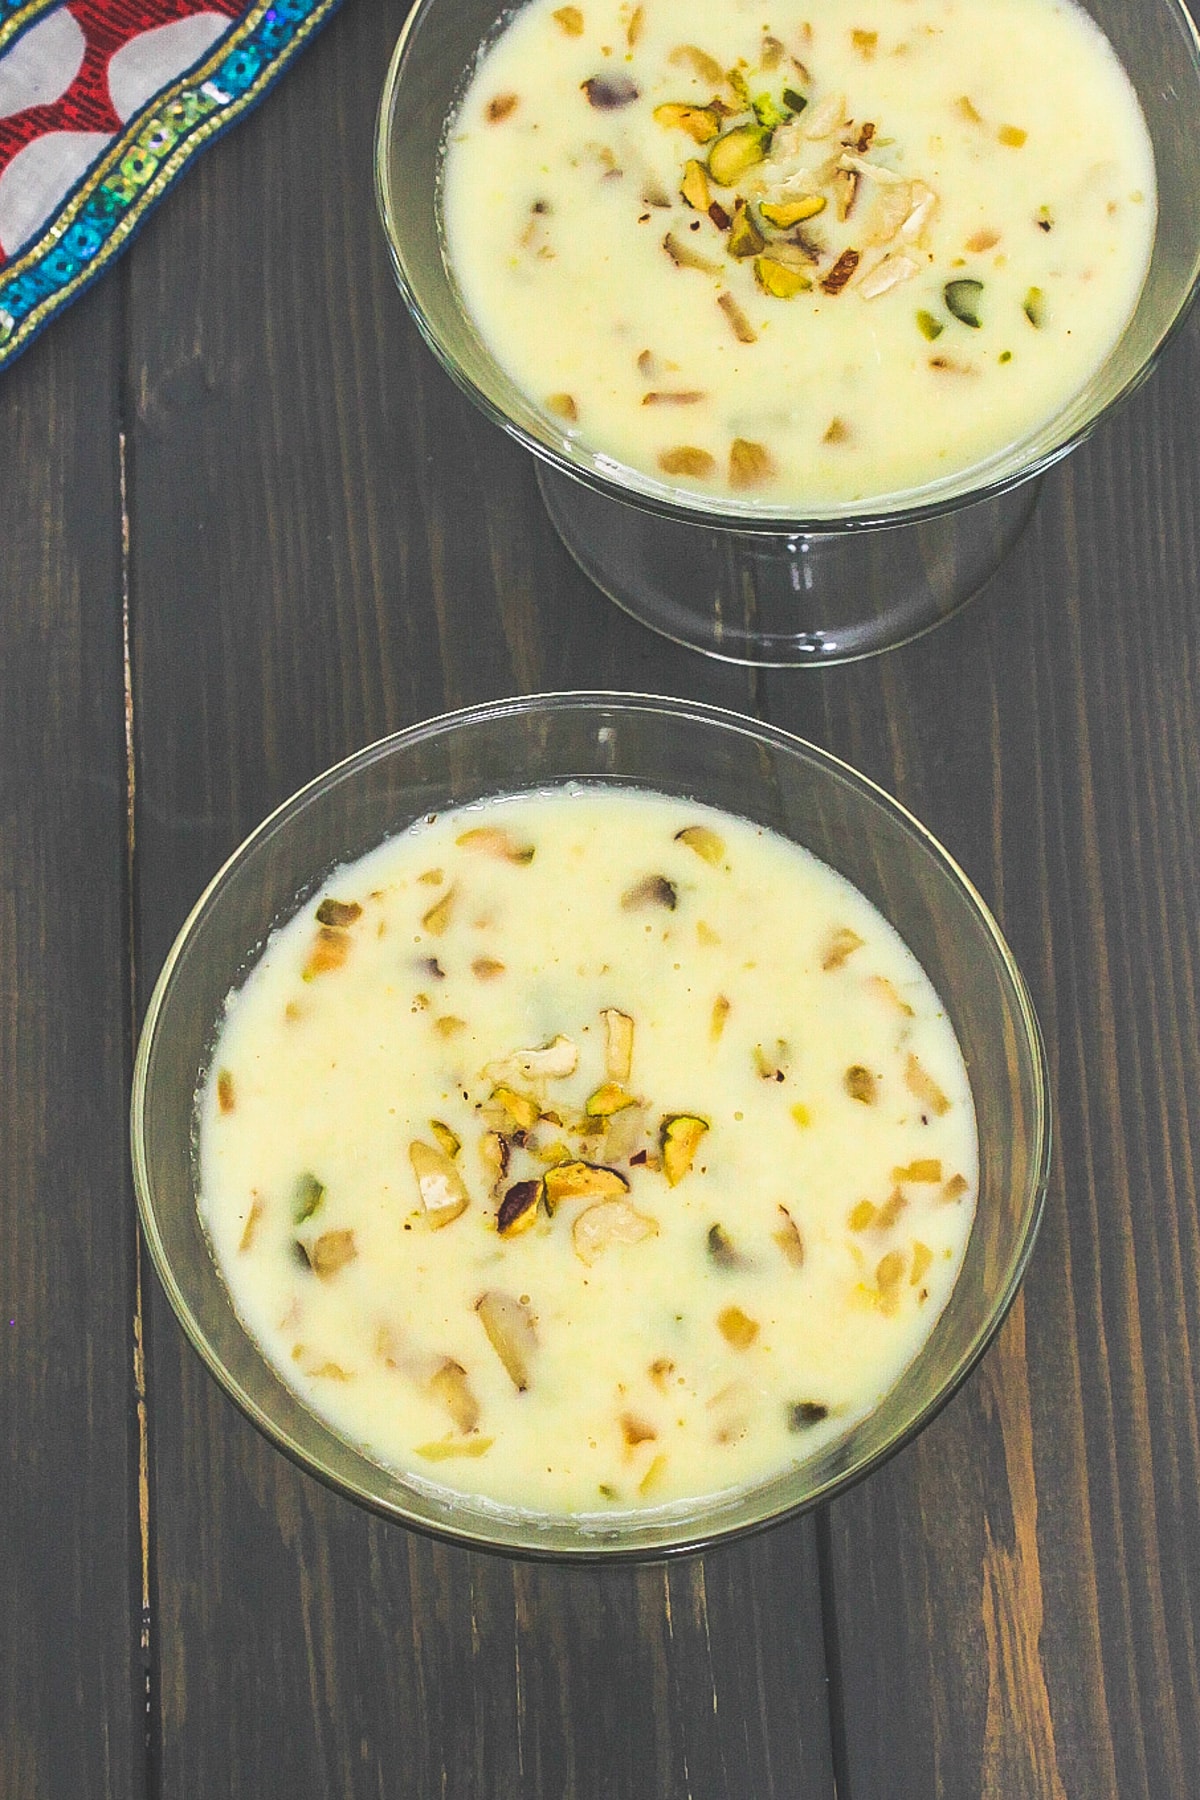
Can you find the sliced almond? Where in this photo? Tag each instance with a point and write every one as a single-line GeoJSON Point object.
{"type": "Point", "coordinates": [955, 1188]}
{"type": "Point", "coordinates": [750, 464]}
{"type": "Point", "coordinates": [922, 1257]}
{"type": "Point", "coordinates": [607, 1224]}
{"type": "Point", "coordinates": [687, 459]}
{"type": "Point", "coordinates": [492, 840]}
{"type": "Point", "coordinates": [826, 117]}
{"type": "Point", "coordinates": [689, 56]}
{"type": "Point", "coordinates": [442, 1189]}
{"type": "Point", "coordinates": [250, 1228]}
{"type": "Point", "coordinates": [437, 919]}
{"type": "Point", "coordinates": [682, 254]}
{"type": "Point", "coordinates": [451, 1389]}
{"type": "Point", "coordinates": [740, 325]}
{"type": "Point", "coordinates": [511, 1332]}
{"type": "Point", "coordinates": [625, 1134]}
{"type": "Point", "coordinates": [618, 1043]}
{"type": "Point", "coordinates": [889, 274]}
{"type": "Point", "coordinates": [920, 1082]}
{"type": "Point", "coordinates": [446, 1449]}
{"type": "Point", "coordinates": [789, 1239]}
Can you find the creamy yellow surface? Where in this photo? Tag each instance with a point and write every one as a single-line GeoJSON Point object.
{"type": "Point", "coordinates": [990, 142]}
{"type": "Point", "coordinates": [729, 1303]}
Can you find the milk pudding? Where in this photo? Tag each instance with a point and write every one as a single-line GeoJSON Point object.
{"type": "Point", "coordinates": [588, 1150]}
{"type": "Point", "coordinates": [802, 254]}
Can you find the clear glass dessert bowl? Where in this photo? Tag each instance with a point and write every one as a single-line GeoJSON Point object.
{"type": "Point", "coordinates": [736, 576]}
{"type": "Point", "coordinates": [629, 742]}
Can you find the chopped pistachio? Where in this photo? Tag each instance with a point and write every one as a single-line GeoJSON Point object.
{"type": "Point", "coordinates": [684, 257]}
{"type": "Point", "coordinates": [652, 890]}
{"type": "Point", "coordinates": [890, 1211]}
{"type": "Point", "coordinates": [694, 186]}
{"type": "Point", "coordinates": [704, 841]}
{"type": "Point", "coordinates": [783, 281]}
{"type": "Point", "coordinates": [921, 1083]}
{"type": "Point", "coordinates": [518, 1209]}
{"type": "Point", "coordinates": [767, 112]}
{"type": "Point", "coordinates": [836, 432]}
{"type": "Point", "coordinates": [701, 123]}
{"type": "Point", "coordinates": [689, 56]}
{"type": "Point", "coordinates": [749, 464]}
{"type": "Point", "coordinates": [680, 1139]}
{"type": "Point", "coordinates": [786, 213]}
{"type": "Point", "coordinates": [737, 151]}
{"type": "Point", "coordinates": [865, 43]}
{"type": "Point", "coordinates": [609, 92]}
{"type": "Point", "coordinates": [795, 101]}
{"type": "Point", "coordinates": [862, 1215]}
{"type": "Point", "coordinates": [570, 19]}
{"type": "Point", "coordinates": [437, 919]}
{"type": "Point", "coordinates": [492, 840]}
{"type": "Point", "coordinates": [521, 1109]}
{"type": "Point", "coordinates": [922, 1257]}
{"type": "Point", "coordinates": [448, 1139]}
{"type": "Point", "coordinates": [772, 51]}
{"type": "Point", "coordinates": [737, 82]}
{"type": "Point", "coordinates": [609, 1223]}
{"type": "Point", "coordinates": [579, 1181]}
{"type": "Point", "coordinates": [652, 1479]}
{"type": "Point", "coordinates": [802, 1115]}
{"type": "Point", "coordinates": [660, 1372]}
{"type": "Point", "coordinates": [511, 1332]}
{"type": "Point", "coordinates": [338, 912]}
{"type": "Point", "coordinates": [449, 1026]}
{"type": "Point", "coordinates": [501, 106]}
{"type": "Point", "coordinates": [450, 1388]}
{"type": "Point", "coordinates": [928, 325]}
{"type": "Point", "coordinates": [860, 1084]}
{"type": "Point", "coordinates": [610, 1097]}
{"type": "Point", "coordinates": [721, 1250]}
{"type": "Point", "coordinates": [618, 1043]}
{"type": "Point", "coordinates": [804, 1414]}
{"type": "Point", "coordinates": [226, 1098]}
{"type": "Point", "coordinates": [306, 1197]}
{"type": "Point", "coordinates": [737, 1328]}
{"type": "Point", "coordinates": [924, 1168]}
{"type": "Point", "coordinates": [442, 1189]}
{"type": "Point", "coordinates": [331, 1252]}
{"type": "Point", "coordinates": [789, 1239]}
{"type": "Point", "coordinates": [745, 239]}
{"type": "Point", "coordinates": [888, 1276]}
{"type": "Point", "coordinates": [1034, 307]}
{"type": "Point", "coordinates": [962, 299]}
{"type": "Point", "coordinates": [486, 968]}
{"type": "Point", "coordinates": [743, 331]}
{"type": "Point", "coordinates": [886, 991]}
{"type": "Point", "coordinates": [841, 945]}
{"type": "Point", "coordinates": [955, 1188]}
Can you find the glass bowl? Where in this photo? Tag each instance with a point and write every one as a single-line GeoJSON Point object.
{"type": "Point", "coordinates": [735, 577]}
{"type": "Point", "coordinates": [673, 747]}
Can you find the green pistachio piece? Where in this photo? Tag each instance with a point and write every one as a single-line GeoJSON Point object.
{"type": "Point", "coordinates": [962, 300]}
{"type": "Point", "coordinates": [928, 326]}
{"type": "Point", "coordinates": [737, 151]}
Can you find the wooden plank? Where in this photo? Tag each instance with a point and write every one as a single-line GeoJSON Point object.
{"type": "Point", "coordinates": [328, 544]}
{"type": "Point", "coordinates": [71, 1681]}
{"type": "Point", "coordinates": [1017, 1594]}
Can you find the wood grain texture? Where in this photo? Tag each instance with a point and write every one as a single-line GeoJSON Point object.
{"type": "Point", "coordinates": [326, 545]}
{"type": "Point", "coordinates": [71, 1689]}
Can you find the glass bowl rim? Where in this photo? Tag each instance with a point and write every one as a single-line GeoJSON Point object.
{"type": "Point", "coordinates": [947, 495]}
{"type": "Point", "coordinates": [690, 1532]}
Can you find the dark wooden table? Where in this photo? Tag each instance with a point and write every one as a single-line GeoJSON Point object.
{"type": "Point", "coordinates": [247, 525]}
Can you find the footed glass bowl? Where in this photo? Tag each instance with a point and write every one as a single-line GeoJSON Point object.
{"type": "Point", "coordinates": [676, 748]}
{"type": "Point", "coordinates": [742, 579]}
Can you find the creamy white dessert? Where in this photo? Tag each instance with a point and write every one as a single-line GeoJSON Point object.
{"type": "Point", "coordinates": [805, 254]}
{"type": "Point", "coordinates": [588, 1150]}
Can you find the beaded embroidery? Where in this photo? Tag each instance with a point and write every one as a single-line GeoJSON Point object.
{"type": "Point", "coordinates": [141, 156]}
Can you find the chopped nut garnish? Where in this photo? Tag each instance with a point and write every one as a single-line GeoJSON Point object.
{"type": "Point", "coordinates": [842, 270]}
{"type": "Point", "coordinates": [570, 19]}
{"type": "Point", "coordinates": [836, 432]}
{"type": "Point", "coordinates": [687, 56]}
{"type": "Point", "coordinates": [928, 326]}
{"type": "Point", "coordinates": [661, 1370]}
{"type": "Point", "coordinates": [701, 123]}
{"type": "Point", "coordinates": [826, 117]}
{"type": "Point", "coordinates": [564, 406]}
{"type": "Point", "coordinates": [962, 300]}
{"type": "Point", "coordinates": [609, 1223]}
{"type": "Point", "coordinates": [694, 186]}
{"type": "Point", "coordinates": [226, 1098]}
{"type": "Point", "coordinates": [860, 1084]}
{"type": "Point", "coordinates": [553, 1061]}
{"type": "Point", "coordinates": [307, 1197]}
{"type": "Point", "coordinates": [500, 107]}
{"type": "Point", "coordinates": [783, 281]}
{"type": "Point", "coordinates": [842, 944]}
{"type": "Point", "coordinates": [745, 239]}
{"type": "Point", "coordinates": [743, 330]}
{"type": "Point", "coordinates": [654, 1474]}
{"type": "Point", "coordinates": [518, 1209]}
{"type": "Point", "coordinates": [922, 1257]}
{"type": "Point", "coordinates": [581, 1180]}
{"type": "Point", "coordinates": [865, 43]}
{"type": "Point", "coordinates": [968, 111]}
{"type": "Point", "coordinates": [607, 1099]}
{"type": "Point", "coordinates": [331, 1252]}
{"type": "Point", "coordinates": [250, 1228]}
{"type": "Point", "coordinates": [442, 1189]}
{"type": "Point", "coordinates": [636, 1431]}
{"type": "Point", "coordinates": [772, 1066]}
{"type": "Point", "coordinates": [338, 912]}
{"type": "Point", "coordinates": [633, 29]}
{"type": "Point", "coordinates": [720, 1013]}
{"type": "Point", "coordinates": [443, 1449]}
{"type": "Point", "coordinates": [846, 185]}
{"type": "Point", "coordinates": [890, 1211]}
{"type": "Point", "coordinates": [789, 1239]}
{"type": "Point", "coordinates": [329, 952]}
{"type": "Point", "coordinates": [511, 1333]}
{"type": "Point", "coordinates": [1012, 136]}
{"type": "Point", "coordinates": [886, 991]}
{"type": "Point", "coordinates": [736, 151]}
{"type": "Point", "coordinates": [1034, 307]}
{"type": "Point", "coordinates": [682, 397]}
{"type": "Point", "coordinates": [749, 464]}
{"type": "Point", "coordinates": [981, 241]}
{"type": "Point", "coordinates": [802, 1115]}
{"type": "Point", "coordinates": [494, 1155]}
{"type": "Point", "coordinates": [680, 1140]}
{"type": "Point", "coordinates": [704, 841]}
{"type": "Point", "coordinates": [888, 1276]}
{"type": "Point", "coordinates": [686, 459]}
{"type": "Point", "coordinates": [786, 213]}
{"type": "Point", "coordinates": [955, 1188]}
{"type": "Point", "coordinates": [624, 1134]}
{"type": "Point", "coordinates": [486, 968]}
{"type": "Point", "coordinates": [721, 1250]}
{"type": "Point", "coordinates": [862, 1215]}
{"type": "Point", "coordinates": [493, 840]}
{"type": "Point", "coordinates": [804, 1414]}
{"type": "Point", "coordinates": [652, 890]}
{"type": "Point", "coordinates": [521, 1109]}
{"type": "Point", "coordinates": [925, 1168]}
{"type": "Point", "coordinates": [436, 920]}
{"type": "Point", "coordinates": [682, 254]}
{"type": "Point", "coordinates": [618, 1043]}
{"type": "Point", "coordinates": [450, 1388]}
{"type": "Point", "coordinates": [730, 1413]}
{"type": "Point", "coordinates": [608, 92]}
{"type": "Point", "coordinates": [449, 1140]}
{"type": "Point", "coordinates": [921, 1083]}
{"type": "Point", "coordinates": [889, 274]}
{"type": "Point", "coordinates": [772, 51]}
{"type": "Point", "coordinates": [449, 1026]}
{"type": "Point", "coordinates": [737, 1328]}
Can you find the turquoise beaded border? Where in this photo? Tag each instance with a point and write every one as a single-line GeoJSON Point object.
{"type": "Point", "coordinates": [101, 214]}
